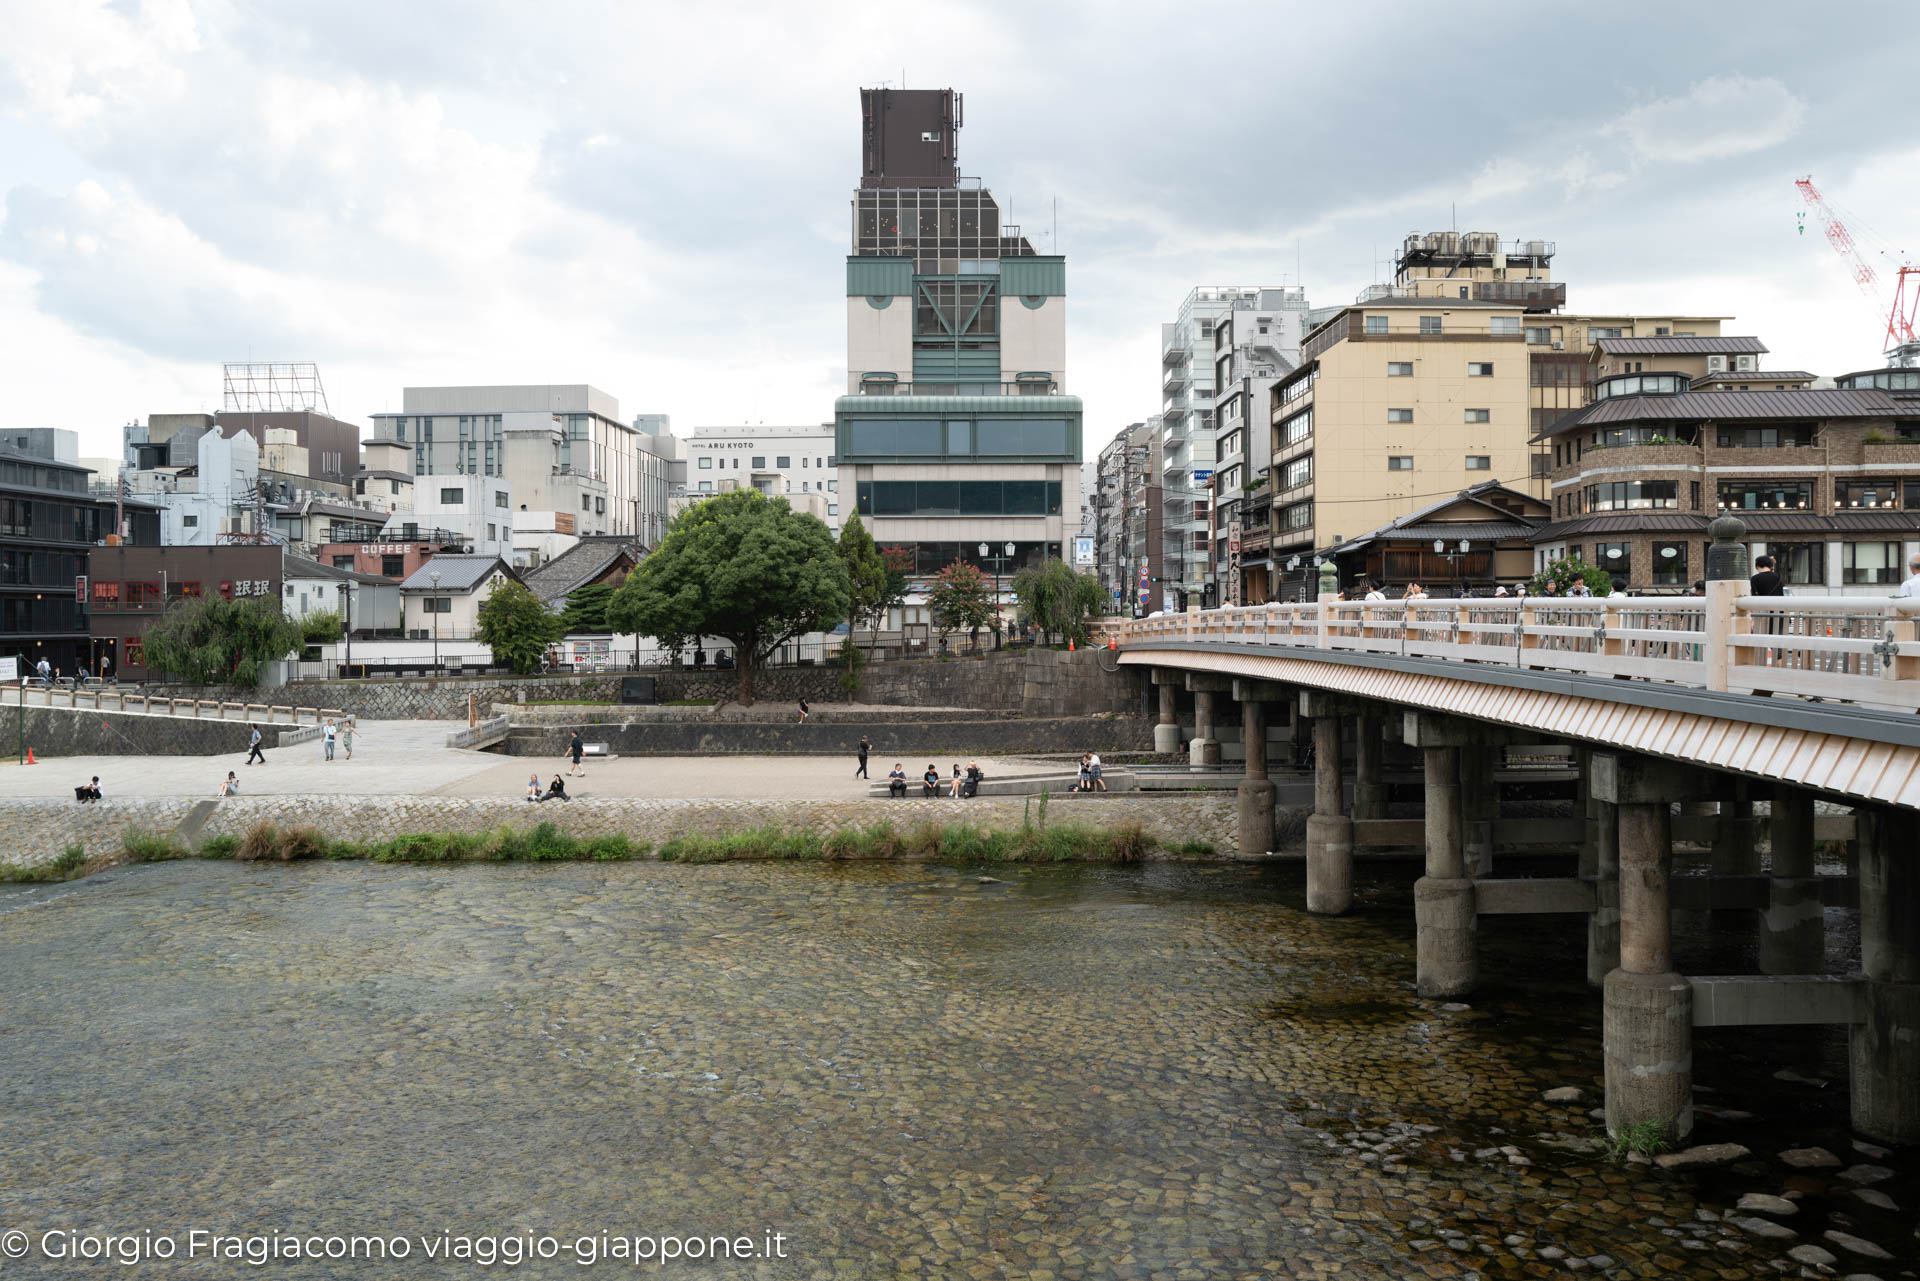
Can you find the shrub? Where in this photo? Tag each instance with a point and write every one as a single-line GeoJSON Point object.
{"type": "Point", "coordinates": [303, 842]}
{"type": "Point", "coordinates": [1194, 848]}
{"type": "Point", "coordinates": [143, 846]}
{"type": "Point", "coordinates": [64, 866]}
{"type": "Point", "coordinates": [222, 846]}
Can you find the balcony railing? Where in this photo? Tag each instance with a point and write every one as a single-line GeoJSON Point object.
{"type": "Point", "coordinates": [1839, 649]}
{"type": "Point", "coordinates": [1537, 295]}
{"type": "Point", "coordinates": [1019, 387]}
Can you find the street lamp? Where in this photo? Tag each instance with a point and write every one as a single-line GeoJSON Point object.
{"type": "Point", "coordinates": [998, 561]}
{"type": "Point", "coordinates": [1453, 559]}
{"type": "Point", "coordinates": [346, 608]}
{"type": "Point", "coordinates": [434, 577]}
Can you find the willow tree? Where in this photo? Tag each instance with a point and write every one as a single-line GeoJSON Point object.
{"type": "Point", "coordinates": [207, 640]}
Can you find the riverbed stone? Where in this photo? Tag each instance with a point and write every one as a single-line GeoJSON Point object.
{"type": "Point", "coordinates": [1767, 1204]}
{"type": "Point", "coordinates": [1856, 1245]}
{"type": "Point", "coordinates": [1565, 1094]}
{"type": "Point", "coordinates": [1864, 1175]}
{"type": "Point", "coordinates": [1810, 1158]}
{"type": "Point", "coordinates": [1812, 1255]}
{"type": "Point", "coordinates": [1876, 1198]}
{"type": "Point", "coordinates": [1701, 1156]}
{"type": "Point", "coordinates": [1764, 1228]}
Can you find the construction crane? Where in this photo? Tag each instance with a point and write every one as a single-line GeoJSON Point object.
{"type": "Point", "coordinates": [1902, 342]}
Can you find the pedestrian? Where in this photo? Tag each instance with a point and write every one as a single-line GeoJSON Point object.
{"type": "Point", "coordinates": [1766, 580]}
{"type": "Point", "coordinates": [1912, 586]}
{"type": "Point", "coordinates": [1374, 592]}
{"type": "Point", "coordinates": [327, 736]}
{"type": "Point", "coordinates": [576, 748]}
{"type": "Point", "coordinates": [803, 711]}
{"type": "Point", "coordinates": [865, 747]}
{"type": "Point", "coordinates": [106, 666]}
{"type": "Point", "coordinates": [229, 785]}
{"type": "Point", "coordinates": [253, 746]}
{"type": "Point", "coordinates": [1093, 765]}
{"type": "Point", "coordinates": [1084, 783]}
{"type": "Point", "coordinates": [346, 739]}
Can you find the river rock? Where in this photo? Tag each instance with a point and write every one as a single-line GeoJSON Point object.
{"type": "Point", "coordinates": [1847, 1241]}
{"type": "Point", "coordinates": [1865, 1175]}
{"type": "Point", "coordinates": [1865, 1148]}
{"type": "Point", "coordinates": [1876, 1198]}
{"type": "Point", "coordinates": [1696, 1158]}
{"type": "Point", "coordinates": [1565, 1094]}
{"type": "Point", "coordinates": [1810, 1158]}
{"type": "Point", "coordinates": [1812, 1255]}
{"type": "Point", "coordinates": [1788, 1074]}
{"type": "Point", "coordinates": [1765, 1228]}
{"type": "Point", "coordinates": [1766, 1204]}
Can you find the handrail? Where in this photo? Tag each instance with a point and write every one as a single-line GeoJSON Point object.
{"type": "Point", "coordinates": [1862, 650]}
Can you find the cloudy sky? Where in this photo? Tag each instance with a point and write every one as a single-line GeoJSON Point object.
{"type": "Point", "coordinates": [653, 198]}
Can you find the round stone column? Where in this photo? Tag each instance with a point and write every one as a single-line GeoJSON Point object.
{"type": "Point", "coordinates": [1446, 952]}
{"type": "Point", "coordinates": [1329, 830]}
{"type": "Point", "coordinates": [1648, 1014]}
{"type": "Point", "coordinates": [1885, 1044]}
{"type": "Point", "coordinates": [1255, 795]}
{"type": "Point", "coordinates": [1166, 734]}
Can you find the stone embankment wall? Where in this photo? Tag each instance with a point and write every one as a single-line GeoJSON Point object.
{"type": "Point", "coordinates": [39, 830]}
{"type": "Point", "coordinates": [1031, 683]}
{"type": "Point", "coordinates": [899, 738]}
{"type": "Point", "coordinates": [860, 717]}
{"type": "Point", "coordinates": [54, 732]}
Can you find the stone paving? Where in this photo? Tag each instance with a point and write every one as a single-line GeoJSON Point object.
{"type": "Point", "coordinates": [1138, 1074]}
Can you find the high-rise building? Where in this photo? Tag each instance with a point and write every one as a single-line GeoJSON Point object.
{"type": "Point", "coordinates": [1126, 520]}
{"type": "Point", "coordinates": [955, 439]}
{"type": "Point", "coordinates": [1256, 342]}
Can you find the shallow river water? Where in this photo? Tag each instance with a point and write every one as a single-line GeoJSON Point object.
{"type": "Point", "coordinates": [1168, 1071]}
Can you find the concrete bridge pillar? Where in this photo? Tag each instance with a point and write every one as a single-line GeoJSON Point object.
{"type": "Point", "coordinates": [1648, 1017]}
{"type": "Point", "coordinates": [1446, 919]}
{"type": "Point", "coordinates": [1329, 830]}
{"type": "Point", "coordinates": [1886, 1043]}
{"type": "Point", "coordinates": [1204, 749]}
{"type": "Point", "coordinates": [1256, 793]}
{"type": "Point", "coordinates": [1603, 923]}
{"type": "Point", "coordinates": [1369, 781]}
{"type": "Point", "coordinates": [1479, 805]}
{"type": "Point", "coordinates": [1734, 851]}
{"type": "Point", "coordinates": [1166, 734]}
{"type": "Point", "coordinates": [1793, 929]}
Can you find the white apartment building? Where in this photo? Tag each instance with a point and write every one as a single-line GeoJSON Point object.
{"type": "Point", "coordinates": [477, 510]}
{"type": "Point", "coordinates": [215, 496]}
{"type": "Point", "coordinates": [791, 462]}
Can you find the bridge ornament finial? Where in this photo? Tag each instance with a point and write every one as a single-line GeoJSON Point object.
{"type": "Point", "coordinates": [1727, 555]}
{"type": "Point", "coordinates": [1329, 579]}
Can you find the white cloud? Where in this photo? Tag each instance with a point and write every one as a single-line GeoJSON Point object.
{"type": "Point", "coordinates": [1719, 117]}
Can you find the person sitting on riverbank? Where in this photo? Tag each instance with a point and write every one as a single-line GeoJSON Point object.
{"type": "Point", "coordinates": [974, 778]}
{"type": "Point", "coordinates": [231, 785]}
{"type": "Point", "coordinates": [88, 791]}
{"type": "Point", "coordinates": [533, 787]}
{"type": "Point", "coordinates": [897, 783]}
{"type": "Point", "coordinates": [930, 782]}
{"type": "Point", "coordinates": [955, 793]}
{"type": "Point", "coordinates": [556, 791]}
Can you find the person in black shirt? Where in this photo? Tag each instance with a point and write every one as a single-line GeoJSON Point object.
{"type": "Point", "coordinates": [865, 747]}
{"type": "Point", "coordinates": [1766, 581]}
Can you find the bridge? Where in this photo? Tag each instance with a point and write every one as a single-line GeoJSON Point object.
{"type": "Point", "coordinates": [1697, 703]}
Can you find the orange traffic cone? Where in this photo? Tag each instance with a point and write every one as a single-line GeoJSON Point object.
{"type": "Point", "coordinates": [1069, 644]}
{"type": "Point", "coordinates": [1112, 644]}
{"type": "Point", "coordinates": [30, 759]}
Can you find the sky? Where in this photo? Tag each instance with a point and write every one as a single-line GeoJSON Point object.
{"type": "Point", "coordinates": [655, 199]}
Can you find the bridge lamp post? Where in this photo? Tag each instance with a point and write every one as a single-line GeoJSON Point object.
{"type": "Point", "coordinates": [997, 563]}
{"type": "Point", "coordinates": [1453, 559]}
{"type": "Point", "coordinates": [434, 577]}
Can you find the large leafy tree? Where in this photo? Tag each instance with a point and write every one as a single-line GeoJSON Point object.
{"type": "Point", "coordinates": [1057, 600]}
{"type": "Point", "coordinates": [740, 566]}
{"type": "Point", "coordinates": [961, 600]}
{"type": "Point", "coordinates": [1562, 574]}
{"type": "Point", "coordinates": [586, 611]}
{"type": "Point", "coordinates": [866, 577]}
{"type": "Point", "coordinates": [208, 639]}
{"type": "Point", "coordinates": [517, 626]}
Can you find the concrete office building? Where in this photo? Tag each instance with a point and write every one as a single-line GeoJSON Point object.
{"type": "Point", "coordinates": [49, 525]}
{"type": "Point", "coordinates": [1256, 342]}
{"type": "Point", "coordinates": [475, 511]}
{"type": "Point", "coordinates": [955, 433]}
{"type": "Point", "coordinates": [1126, 518]}
{"type": "Point", "coordinates": [778, 461]}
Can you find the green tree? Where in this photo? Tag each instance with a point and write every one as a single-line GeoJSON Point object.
{"type": "Point", "coordinates": [1562, 574]}
{"type": "Point", "coordinates": [740, 566]}
{"type": "Point", "coordinates": [1058, 601]}
{"type": "Point", "coordinates": [866, 585]}
{"type": "Point", "coordinates": [899, 563]}
{"type": "Point", "coordinates": [321, 628]}
{"type": "Point", "coordinates": [586, 611]}
{"type": "Point", "coordinates": [961, 599]}
{"type": "Point", "coordinates": [207, 639]}
{"type": "Point", "coordinates": [517, 626]}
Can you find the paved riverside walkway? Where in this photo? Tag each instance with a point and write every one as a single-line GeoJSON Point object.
{"type": "Point", "coordinates": [411, 758]}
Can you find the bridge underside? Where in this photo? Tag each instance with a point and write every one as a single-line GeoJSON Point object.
{"type": "Point", "coordinates": [1853, 753]}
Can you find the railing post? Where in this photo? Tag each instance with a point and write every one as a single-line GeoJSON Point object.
{"type": "Point", "coordinates": [1726, 582]}
{"type": "Point", "coordinates": [1612, 646]}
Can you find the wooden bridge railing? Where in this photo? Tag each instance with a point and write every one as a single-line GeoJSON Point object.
{"type": "Point", "coordinates": [1863, 650]}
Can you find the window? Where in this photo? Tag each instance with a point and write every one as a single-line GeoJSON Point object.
{"type": "Point", "coordinates": [706, 462]}
{"type": "Point", "coordinates": [1463, 291]}
{"type": "Point", "coordinates": [1399, 369]}
{"type": "Point", "coordinates": [803, 462]}
{"type": "Point", "coordinates": [833, 509]}
{"type": "Point", "coordinates": [1479, 462]}
{"type": "Point", "coordinates": [1022, 436]}
{"type": "Point", "coordinates": [1870, 562]}
{"type": "Point", "coordinates": [453, 497]}
{"type": "Point", "coordinates": [803, 484]}
{"type": "Point", "coordinates": [960, 497]}
{"type": "Point", "coordinates": [833, 487]}
{"type": "Point", "coordinates": [1616, 559]}
{"type": "Point", "coordinates": [1596, 332]}
{"type": "Point", "coordinates": [190, 522]}
{"type": "Point", "coordinates": [106, 595]}
{"type": "Point", "coordinates": [1479, 416]}
{"type": "Point", "coordinates": [1867, 493]}
{"type": "Point", "coordinates": [1399, 415]}
{"type": "Point", "coordinates": [959, 437]}
{"type": "Point", "coordinates": [1766, 495]}
{"type": "Point", "coordinates": [1376, 324]}
{"type": "Point", "coordinates": [1429, 324]}
{"type": "Point", "coordinates": [894, 436]}
{"type": "Point", "coordinates": [1670, 565]}
{"type": "Point", "coordinates": [1661, 331]}
{"type": "Point", "coordinates": [1298, 516]}
{"type": "Point", "coordinates": [493, 533]}
{"type": "Point", "coordinates": [1797, 436]}
{"type": "Point", "coordinates": [1693, 495]}
{"type": "Point", "coordinates": [1800, 564]}
{"type": "Point", "coordinates": [1295, 429]}
{"type": "Point", "coordinates": [783, 462]}
{"type": "Point", "coordinates": [586, 500]}
{"type": "Point", "coordinates": [759, 462]}
{"type": "Point", "coordinates": [390, 566]}
{"type": "Point", "coordinates": [600, 506]}
{"type": "Point", "coordinates": [1400, 462]}
{"type": "Point", "coordinates": [1297, 472]}
{"type": "Point", "coordinates": [1633, 495]}
{"type": "Point", "coordinates": [706, 487]}
{"type": "Point", "coordinates": [500, 498]}
{"type": "Point", "coordinates": [1539, 335]}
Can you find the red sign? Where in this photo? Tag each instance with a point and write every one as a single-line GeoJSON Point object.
{"type": "Point", "coordinates": [80, 589]}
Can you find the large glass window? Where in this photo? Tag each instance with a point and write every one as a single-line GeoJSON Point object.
{"type": "Point", "coordinates": [1297, 472]}
{"type": "Point", "coordinates": [1766, 495]}
{"type": "Point", "coordinates": [1670, 565]}
{"type": "Point", "coordinates": [1870, 562]}
{"type": "Point", "coordinates": [1800, 564]}
{"type": "Point", "coordinates": [960, 497]}
{"type": "Point", "coordinates": [1504, 325]}
{"type": "Point", "coordinates": [1429, 324]}
{"type": "Point", "coordinates": [1869, 493]}
{"type": "Point", "coordinates": [1633, 495]}
{"type": "Point", "coordinates": [960, 437]}
{"type": "Point", "coordinates": [1376, 324]}
{"type": "Point", "coordinates": [1794, 435]}
{"type": "Point", "coordinates": [1022, 436]}
{"type": "Point", "coordinates": [1616, 559]}
{"type": "Point", "coordinates": [1296, 428]}
{"type": "Point", "coordinates": [894, 436]}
